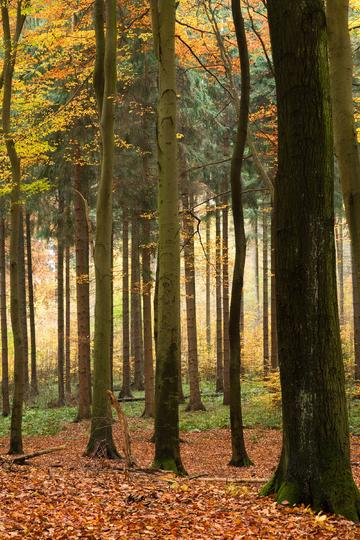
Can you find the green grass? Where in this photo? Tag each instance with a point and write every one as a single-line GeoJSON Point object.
{"type": "Point", "coordinates": [259, 410]}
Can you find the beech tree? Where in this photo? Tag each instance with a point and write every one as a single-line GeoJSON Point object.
{"type": "Point", "coordinates": [101, 442]}
{"type": "Point", "coordinates": [314, 467]}
{"type": "Point", "coordinates": [167, 448]}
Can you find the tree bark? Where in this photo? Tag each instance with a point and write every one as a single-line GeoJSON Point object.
{"type": "Point", "coordinates": [148, 345]}
{"type": "Point", "coordinates": [112, 314]}
{"type": "Point", "coordinates": [208, 282]}
{"type": "Point", "coordinates": [4, 336]}
{"type": "Point", "coordinates": [82, 290]}
{"type": "Point", "coordinates": [239, 456]}
{"type": "Point", "coordinates": [10, 48]}
{"type": "Point", "coordinates": [67, 322]}
{"type": "Point", "coordinates": [136, 319]}
{"type": "Point", "coordinates": [219, 323]}
{"type": "Point", "coordinates": [340, 267]}
{"type": "Point", "coordinates": [101, 442]}
{"type": "Point", "coordinates": [60, 297]}
{"type": "Point", "coordinates": [195, 403]}
{"type": "Point", "coordinates": [257, 273]}
{"type": "Point", "coordinates": [167, 448]}
{"type": "Point", "coordinates": [34, 382]}
{"type": "Point", "coordinates": [274, 343]}
{"type": "Point", "coordinates": [126, 378]}
{"type": "Point", "coordinates": [225, 284]}
{"type": "Point", "coordinates": [266, 358]}
{"type": "Point", "coordinates": [356, 322]}
{"type": "Point", "coordinates": [314, 467]}
{"type": "Point", "coordinates": [23, 302]}
{"type": "Point", "coordinates": [345, 136]}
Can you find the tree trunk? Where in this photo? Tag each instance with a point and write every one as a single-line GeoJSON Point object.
{"type": "Point", "coordinates": [23, 302]}
{"type": "Point", "coordinates": [356, 322]}
{"type": "Point", "coordinates": [340, 267]}
{"type": "Point", "coordinates": [148, 345]}
{"type": "Point", "coordinates": [34, 383]}
{"type": "Point", "coordinates": [257, 273]}
{"type": "Point", "coordinates": [195, 403]}
{"type": "Point", "coordinates": [167, 448]}
{"type": "Point", "coordinates": [101, 442]}
{"type": "Point", "coordinates": [274, 344]}
{"type": "Point", "coordinates": [136, 319]}
{"type": "Point", "coordinates": [266, 358]}
{"type": "Point", "coordinates": [10, 47]}
{"type": "Point", "coordinates": [219, 323]}
{"type": "Point", "coordinates": [82, 291]}
{"type": "Point", "coordinates": [67, 323]}
{"type": "Point", "coordinates": [208, 282]}
{"type": "Point", "coordinates": [314, 467]}
{"type": "Point", "coordinates": [60, 298]}
{"type": "Point", "coordinates": [112, 314]}
{"type": "Point", "coordinates": [225, 284]}
{"type": "Point", "coordinates": [4, 337]}
{"type": "Point", "coordinates": [126, 378]}
{"type": "Point", "coordinates": [239, 456]}
{"type": "Point", "coordinates": [345, 136]}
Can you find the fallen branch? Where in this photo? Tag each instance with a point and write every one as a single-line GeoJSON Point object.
{"type": "Point", "coordinates": [129, 462]}
{"type": "Point", "coordinates": [232, 480]}
{"type": "Point", "coordinates": [20, 460]}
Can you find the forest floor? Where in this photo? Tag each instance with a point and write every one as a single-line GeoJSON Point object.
{"type": "Point", "coordinates": [66, 496]}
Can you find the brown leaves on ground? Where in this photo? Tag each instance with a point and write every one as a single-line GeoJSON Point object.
{"type": "Point", "coordinates": [66, 496]}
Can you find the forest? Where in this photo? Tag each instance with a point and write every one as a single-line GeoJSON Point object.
{"type": "Point", "coordinates": [180, 269]}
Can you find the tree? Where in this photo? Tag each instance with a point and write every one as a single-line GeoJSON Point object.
{"type": "Point", "coordinates": [4, 336]}
{"type": "Point", "coordinates": [34, 384]}
{"type": "Point", "coordinates": [101, 442]}
{"type": "Point", "coordinates": [239, 456]}
{"type": "Point", "coordinates": [167, 448]}
{"type": "Point", "coordinates": [314, 467]}
{"type": "Point", "coordinates": [10, 50]}
{"type": "Point", "coordinates": [60, 297]}
{"type": "Point", "coordinates": [126, 379]}
{"type": "Point", "coordinates": [148, 338]}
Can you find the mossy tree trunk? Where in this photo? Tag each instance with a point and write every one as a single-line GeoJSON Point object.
{"type": "Point", "coordinates": [101, 442]}
{"type": "Point", "coordinates": [34, 383]}
{"type": "Point", "coordinates": [10, 44]}
{"type": "Point", "coordinates": [4, 335]}
{"type": "Point", "coordinates": [167, 448]}
{"type": "Point", "coordinates": [314, 467]}
{"type": "Point", "coordinates": [82, 290]}
{"type": "Point", "coordinates": [239, 456]}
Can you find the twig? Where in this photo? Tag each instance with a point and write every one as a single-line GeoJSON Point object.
{"type": "Point", "coordinates": [20, 460]}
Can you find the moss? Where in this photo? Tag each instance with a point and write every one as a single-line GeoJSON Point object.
{"type": "Point", "coordinates": [169, 464]}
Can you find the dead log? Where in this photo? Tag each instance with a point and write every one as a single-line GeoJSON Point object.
{"type": "Point", "coordinates": [20, 460]}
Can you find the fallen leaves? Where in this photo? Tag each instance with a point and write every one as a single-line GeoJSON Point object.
{"type": "Point", "coordinates": [67, 497]}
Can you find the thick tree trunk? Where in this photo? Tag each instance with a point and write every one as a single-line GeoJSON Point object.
{"type": "Point", "coordinates": [239, 456]}
{"type": "Point", "coordinates": [208, 283]}
{"type": "Point", "coordinates": [67, 323]}
{"type": "Point", "coordinates": [219, 323]}
{"type": "Point", "coordinates": [101, 442]}
{"type": "Point", "coordinates": [225, 291]}
{"type": "Point", "coordinates": [148, 338]}
{"type": "Point", "coordinates": [345, 136]}
{"type": "Point", "coordinates": [126, 378]}
{"type": "Point", "coordinates": [274, 344]}
{"type": "Point", "coordinates": [195, 403]}
{"type": "Point", "coordinates": [136, 319]}
{"type": "Point", "coordinates": [23, 302]}
{"type": "Point", "coordinates": [266, 357]}
{"type": "Point", "coordinates": [82, 291]}
{"type": "Point", "coordinates": [60, 298]}
{"type": "Point", "coordinates": [4, 336]}
{"type": "Point", "coordinates": [314, 468]}
{"type": "Point", "coordinates": [167, 449]}
{"type": "Point", "coordinates": [34, 384]}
